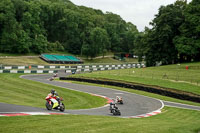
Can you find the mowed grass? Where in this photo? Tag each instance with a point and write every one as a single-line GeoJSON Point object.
{"type": "Point", "coordinates": [19, 91]}
{"type": "Point", "coordinates": [15, 90]}
{"type": "Point", "coordinates": [108, 60]}
{"type": "Point", "coordinates": [157, 96]}
{"type": "Point", "coordinates": [18, 60]}
{"type": "Point", "coordinates": [14, 59]}
{"type": "Point", "coordinates": [171, 76]}
{"type": "Point", "coordinates": [171, 120]}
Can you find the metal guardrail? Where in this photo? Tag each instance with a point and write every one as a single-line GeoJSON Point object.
{"type": "Point", "coordinates": [69, 67]}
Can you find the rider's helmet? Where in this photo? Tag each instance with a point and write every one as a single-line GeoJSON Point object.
{"type": "Point", "coordinates": [53, 91]}
{"type": "Point", "coordinates": [56, 94]}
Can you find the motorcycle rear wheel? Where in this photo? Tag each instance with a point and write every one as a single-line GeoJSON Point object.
{"type": "Point", "coordinates": [116, 112]}
{"type": "Point", "coordinates": [62, 107]}
{"type": "Point", "coordinates": [119, 113]}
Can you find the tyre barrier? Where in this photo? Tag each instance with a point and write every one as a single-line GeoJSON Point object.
{"type": "Point", "coordinates": [148, 88]}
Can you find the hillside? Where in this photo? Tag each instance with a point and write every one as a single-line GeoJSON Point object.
{"type": "Point", "coordinates": [35, 60]}
{"type": "Point", "coordinates": [42, 26]}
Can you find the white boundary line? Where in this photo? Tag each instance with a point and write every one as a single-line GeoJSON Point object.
{"type": "Point", "coordinates": [157, 99]}
{"type": "Point", "coordinates": [9, 114]}
{"type": "Point", "coordinates": [182, 107]}
{"type": "Point", "coordinates": [123, 92]}
{"type": "Point", "coordinates": [181, 104]}
{"type": "Point", "coordinates": [73, 90]}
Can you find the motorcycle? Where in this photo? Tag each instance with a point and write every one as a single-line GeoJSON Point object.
{"type": "Point", "coordinates": [54, 103]}
{"type": "Point", "coordinates": [119, 100]}
{"type": "Point", "coordinates": [53, 77]}
{"type": "Point", "coordinates": [114, 110]}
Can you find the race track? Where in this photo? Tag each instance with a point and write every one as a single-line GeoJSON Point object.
{"type": "Point", "coordinates": [134, 105]}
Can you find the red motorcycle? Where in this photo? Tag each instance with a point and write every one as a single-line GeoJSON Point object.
{"type": "Point", "coordinates": [119, 100]}
{"type": "Point", "coordinates": [54, 103]}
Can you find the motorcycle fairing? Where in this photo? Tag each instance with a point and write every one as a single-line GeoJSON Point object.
{"type": "Point", "coordinates": [55, 102]}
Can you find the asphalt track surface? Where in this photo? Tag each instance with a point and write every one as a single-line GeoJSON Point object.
{"type": "Point", "coordinates": [134, 105]}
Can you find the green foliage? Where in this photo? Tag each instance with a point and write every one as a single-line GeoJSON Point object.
{"type": "Point", "coordinates": [47, 26]}
{"type": "Point", "coordinates": [174, 36]}
{"type": "Point", "coordinates": [188, 43]}
{"type": "Point", "coordinates": [169, 76]}
{"type": "Point", "coordinates": [99, 42]}
{"type": "Point", "coordinates": [165, 28]}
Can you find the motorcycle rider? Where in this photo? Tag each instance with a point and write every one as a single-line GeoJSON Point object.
{"type": "Point", "coordinates": [112, 106]}
{"type": "Point", "coordinates": [118, 98]}
{"type": "Point", "coordinates": [114, 109]}
{"type": "Point", "coordinates": [55, 75]}
{"type": "Point", "coordinates": [54, 94]}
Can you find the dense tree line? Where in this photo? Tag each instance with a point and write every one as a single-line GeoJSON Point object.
{"type": "Point", "coordinates": [174, 36]}
{"type": "Point", "coordinates": [38, 26]}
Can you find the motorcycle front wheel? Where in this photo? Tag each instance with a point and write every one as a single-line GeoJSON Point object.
{"type": "Point", "coordinates": [48, 106]}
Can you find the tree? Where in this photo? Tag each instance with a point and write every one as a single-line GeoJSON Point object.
{"type": "Point", "coordinates": [188, 42]}
{"type": "Point", "coordinates": [129, 37]}
{"type": "Point", "coordinates": [13, 39]}
{"type": "Point", "coordinates": [160, 46]}
{"type": "Point", "coordinates": [99, 42]}
{"type": "Point", "coordinates": [86, 50]}
{"type": "Point", "coordinates": [33, 26]}
{"type": "Point", "coordinates": [115, 27]}
{"type": "Point", "coordinates": [140, 44]}
{"type": "Point", "coordinates": [50, 25]}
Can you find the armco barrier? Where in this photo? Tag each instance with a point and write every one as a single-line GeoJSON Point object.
{"type": "Point", "coordinates": [130, 65]}
{"type": "Point", "coordinates": [68, 69]}
{"type": "Point", "coordinates": [36, 67]}
{"type": "Point", "coordinates": [28, 71]}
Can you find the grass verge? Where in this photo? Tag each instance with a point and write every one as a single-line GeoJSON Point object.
{"type": "Point", "coordinates": [30, 60]}
{"type": "Point", "coordinates": [172, 120]}
{"type": "Point", "coordinates": [109, 60]}
{"type": "Point", "coordinates": [164, 76]}
{"type": "Point", "coordinates": [15, 90]}
{"type": "Point", "coordinates": [165, 98]}
{"type": "Point", "coordinates": [22, 61]}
